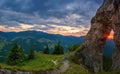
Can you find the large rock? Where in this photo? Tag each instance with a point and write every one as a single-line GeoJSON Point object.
{"type": "Point", "coordinates": [106, 19]}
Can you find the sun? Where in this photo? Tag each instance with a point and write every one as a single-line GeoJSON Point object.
{"type": "Point", "coordinates": [111, 35]}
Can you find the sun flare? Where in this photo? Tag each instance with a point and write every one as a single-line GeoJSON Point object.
{"type": "Point", "coordinates": [111, 35]}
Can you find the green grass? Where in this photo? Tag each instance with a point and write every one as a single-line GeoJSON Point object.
{"type": "Point", "coordinates": [42, 62]}
{"type": "Point", "coordinates": [76, 69]}
{"type": "Point", "coordinates": [80, 69]}
{"type": "Point", "coordinates": [110, 72]}
{"type": "Point", "coordinates": [1, 56]}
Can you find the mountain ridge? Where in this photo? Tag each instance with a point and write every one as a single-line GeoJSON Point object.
{"type": "Point", "coordinates": [39, 39]}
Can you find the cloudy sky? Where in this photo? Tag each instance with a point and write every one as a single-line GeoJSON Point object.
{"type": "Point", "coordinates": [66, 17]}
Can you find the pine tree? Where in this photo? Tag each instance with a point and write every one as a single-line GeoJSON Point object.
{"type": "Point", "coordinates": [16, 55]}
{"type": "Point", "coordinates": [58, 49]}
{"type": "Point", "coordinates": [55, 50]}
{"type": "Point", "coordinates": [22, 55]}
{"type": "Point", "coordinates": [31, 54]}
{"type": "Point", "coordinates": [46, 50]}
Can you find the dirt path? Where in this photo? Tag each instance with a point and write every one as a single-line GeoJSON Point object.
{"type": "Point", "coordinates": [60, 70]}
{"type": "Point", "coordinates": [65, 66]}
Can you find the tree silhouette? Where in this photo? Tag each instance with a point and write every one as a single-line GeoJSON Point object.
{"type": "Point", "coordinates": [31, 54]}
{"type": "Point", "coordinates": [16, 55]}
{"type": "Point", "coordinates": [46, 50]}
{"type": "Point", "coordinates": [58, 49]}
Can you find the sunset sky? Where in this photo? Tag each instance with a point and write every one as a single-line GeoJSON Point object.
{"type": "Point", "coordinates": [66, 17]}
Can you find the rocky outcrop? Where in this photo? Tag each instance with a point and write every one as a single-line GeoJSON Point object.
{"type": "Point", "coordinates": [106, 19]}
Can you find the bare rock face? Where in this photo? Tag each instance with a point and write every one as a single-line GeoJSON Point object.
{"type": "Point", "coordinates": [106, 19]}
{"type": "Point", "coordinates": [116, 27]}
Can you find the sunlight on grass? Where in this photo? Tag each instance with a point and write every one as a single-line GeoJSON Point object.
{"type": "Point", "coordinates": [42, 62]}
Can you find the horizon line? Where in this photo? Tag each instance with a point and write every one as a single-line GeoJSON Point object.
{"type": "Point", "coordinates": [41, 31]}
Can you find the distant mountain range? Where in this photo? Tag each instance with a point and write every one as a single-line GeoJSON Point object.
{"type": "Point", "coordinates": [38, 40]}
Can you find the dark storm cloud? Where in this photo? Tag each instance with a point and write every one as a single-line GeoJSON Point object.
{"type": "Point", "coordinates": [72, 13]}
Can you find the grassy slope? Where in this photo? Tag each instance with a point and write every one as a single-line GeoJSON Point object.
{"type": "Point", "coordinates": [77, 69]}
{"type": "Point", "coordinates": [41, 62]}
{"type": "Point", "coordinates": [111, 72]}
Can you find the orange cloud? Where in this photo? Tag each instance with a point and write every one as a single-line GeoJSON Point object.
{"type": "Point", "coordinates": [2, 28]}
{"type": "Point", "coordinates": [22, 27]}
{"type": "Point", "coordinates": [26, 26]}
{"type": "Point", "coordinates": [56, 29]}
{"type": "Point", "coordinates": [10, 29]}
{"type": "Point", "coordinates": [67, 30]}
{"type": "Point", "coordinates": [15, 29]}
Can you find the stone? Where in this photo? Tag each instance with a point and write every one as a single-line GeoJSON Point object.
{"type": "Point", "coordinates": [107, 18]}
